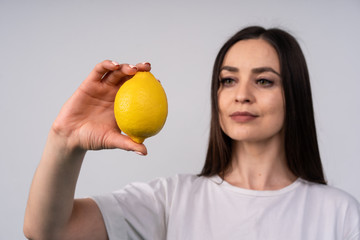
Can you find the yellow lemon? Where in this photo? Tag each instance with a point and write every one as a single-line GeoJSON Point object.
{"type": "Point", "coordinates": [141, 107]}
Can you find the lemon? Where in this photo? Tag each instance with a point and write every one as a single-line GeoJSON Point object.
{"type": "Point", "coordinates": [141, 107]}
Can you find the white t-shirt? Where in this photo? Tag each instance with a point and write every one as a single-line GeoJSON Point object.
{"type": "Point", "coordinates": [190, 207]}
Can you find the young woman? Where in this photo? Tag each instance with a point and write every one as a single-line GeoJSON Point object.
{"type": "Point", "coordinates": [262, 178]}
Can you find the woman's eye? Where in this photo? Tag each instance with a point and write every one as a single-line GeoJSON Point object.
{"type": "Point", "coordinates": [264, 82]}
{"type": "Point", "coordinates": [227, 81]}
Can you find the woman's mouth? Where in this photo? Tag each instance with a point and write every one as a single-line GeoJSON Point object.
{"type": "Point", "coordinates": [243, 117]}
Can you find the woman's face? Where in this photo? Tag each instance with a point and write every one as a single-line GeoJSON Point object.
{"type": "Point", "coordinates": [250, 97]}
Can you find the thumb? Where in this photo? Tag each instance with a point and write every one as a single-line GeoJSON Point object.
{"type": "Point", "coordinates": [118, 140]}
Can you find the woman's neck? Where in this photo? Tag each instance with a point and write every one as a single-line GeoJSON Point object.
{"type": "Point", "coordinates": [259, 166]}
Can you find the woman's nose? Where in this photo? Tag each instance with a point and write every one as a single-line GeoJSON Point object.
{"type": "Point", "coordinates": [244, 94]}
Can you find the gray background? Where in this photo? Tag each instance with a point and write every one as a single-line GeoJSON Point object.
{"type": "Point", "coordinates": [47, 48]}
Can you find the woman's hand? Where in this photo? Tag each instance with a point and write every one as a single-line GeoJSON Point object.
{"type": "Point", "coordinates": [86, 121]}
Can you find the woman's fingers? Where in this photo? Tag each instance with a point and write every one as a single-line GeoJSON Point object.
{"type": "Point", "coordinates": [111, 72]}
{"type": "Point", "coordinates": [123, 73]}
{"type": "Point", "coordinates": [101, 69]}
{"type": "Point", "coordinates": [114, 73]}
{"type": "Point", "coordinates": [145, 66]}
{"type": "Point", "coordinates": [118, 140]}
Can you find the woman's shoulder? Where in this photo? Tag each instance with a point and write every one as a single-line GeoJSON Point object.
{"type": "Point", "coordinates": [329, 194]}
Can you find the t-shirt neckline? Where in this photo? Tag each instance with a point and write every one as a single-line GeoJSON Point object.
{"type": "Point", "coordinates": [261, 193]}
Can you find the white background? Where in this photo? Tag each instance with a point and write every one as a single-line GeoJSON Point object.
{"type": "Point", "coordinates": [48, 47]}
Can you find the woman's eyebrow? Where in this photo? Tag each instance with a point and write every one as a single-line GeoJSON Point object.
{"type": "Point", "coordinates": [254, 70]}
{"type": "Point", "coordinates": [229, 68]}
{"type": "Point", "coordinates": [265, 69]}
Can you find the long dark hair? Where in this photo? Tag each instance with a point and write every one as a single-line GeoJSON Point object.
{"type": "Point", "coordinates": [301, 146]}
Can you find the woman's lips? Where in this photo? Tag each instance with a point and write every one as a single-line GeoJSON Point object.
{"type": "Point", "coordinates": [243, 116]}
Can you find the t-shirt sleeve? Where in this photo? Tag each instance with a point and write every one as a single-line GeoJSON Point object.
{"type": "Point", "coordinates": [138, 211]}
{"type": "Point", "coordinates": [352, 220]}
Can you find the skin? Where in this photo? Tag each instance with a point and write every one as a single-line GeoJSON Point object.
{"type": "Point", "coordinates": [85, 122]}
{"type": "Point", "coordinates": [251, 82]}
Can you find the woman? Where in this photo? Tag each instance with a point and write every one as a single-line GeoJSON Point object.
{"type": "Point", "coordinates": [262, 178]}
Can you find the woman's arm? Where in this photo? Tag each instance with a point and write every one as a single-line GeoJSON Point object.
{"type": "Point", "coordinates": [85, 122]}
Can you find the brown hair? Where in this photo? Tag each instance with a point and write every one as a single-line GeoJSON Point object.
{"type": "Point", "coordinates": [301, 146]}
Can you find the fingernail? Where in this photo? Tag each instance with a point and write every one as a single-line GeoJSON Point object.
{"type": "Point", "coordinates": [146, 63]}
{"type": "Point", "coordinates": [139, 153]}
{"type": "Point", "coordinates": [133, 67]}
{"type": "Point", "coordinates": [115, 63]}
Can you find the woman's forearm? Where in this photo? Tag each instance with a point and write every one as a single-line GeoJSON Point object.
{"type": "Point", "coordinates": [52, 191]}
